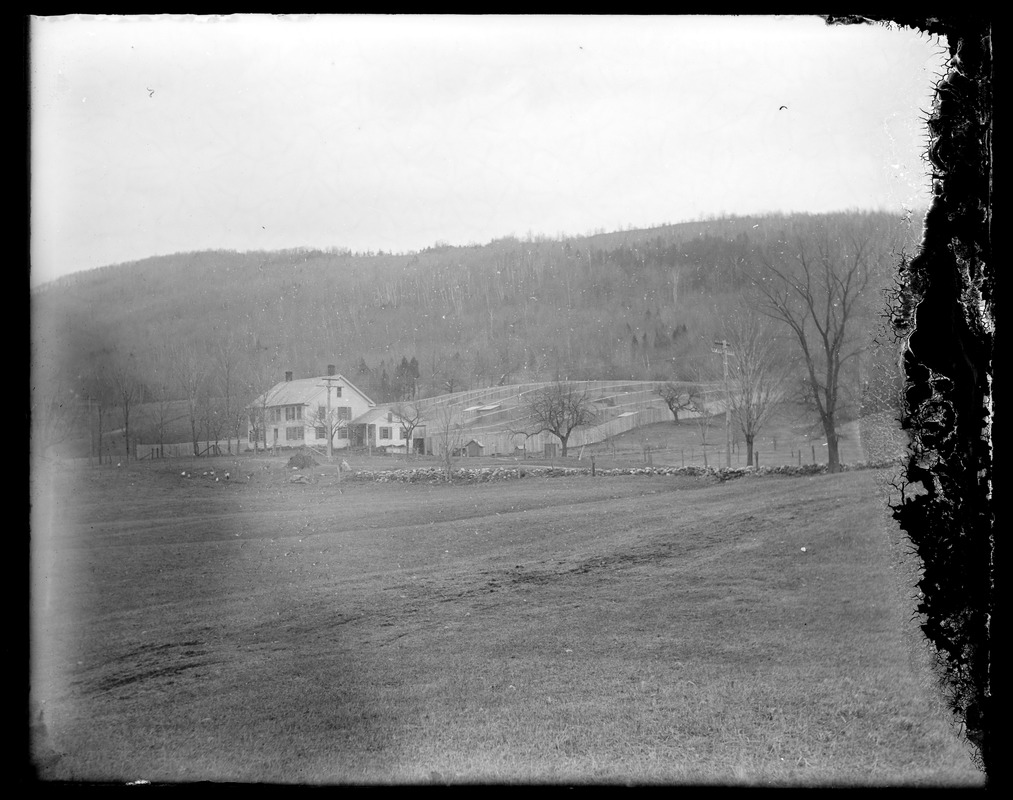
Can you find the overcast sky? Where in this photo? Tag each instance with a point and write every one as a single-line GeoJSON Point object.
{"type": "Point", "coordinates": [154, 135]}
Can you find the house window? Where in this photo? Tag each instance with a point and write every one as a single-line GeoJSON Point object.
{"type": "Point", "coordinates": [293, 413]}
{"type": "Point", "coordinates": [344, 412]}
{"type": "Point", "coordinates": [275, 415]}
{"type": "Point", "coordinates": [321, 412]}
{"type": "Point", "coordinates": [321, 432]}
{"type": "Point", "coordinates": [293, 433]}
{"type": "Point", "coordinates": [384, 433]}
{"type": "Point", "coordinates": [337, 390]}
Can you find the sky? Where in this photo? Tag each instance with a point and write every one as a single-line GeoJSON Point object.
{"type": "Point", "coordinates": [152, 135]}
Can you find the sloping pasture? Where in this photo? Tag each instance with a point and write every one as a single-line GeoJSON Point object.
{"type": "Point", "coordinates": [623, 629]}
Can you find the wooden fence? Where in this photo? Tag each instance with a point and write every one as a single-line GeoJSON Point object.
{"type": "Point", "coordinates": [146, 452]}
{"type": "Point", "coordinates": [500, 442]}
{"type": "Point", "coordinates": [486, 415]}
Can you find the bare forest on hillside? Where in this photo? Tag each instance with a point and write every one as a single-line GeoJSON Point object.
{"type": "Point", "coordinates": [146, 349]}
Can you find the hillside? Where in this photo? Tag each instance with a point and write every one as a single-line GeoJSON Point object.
{"type": "Point", "coordinates": [637, 305]}
{"type": "Point", "coordinates": [610, 306]}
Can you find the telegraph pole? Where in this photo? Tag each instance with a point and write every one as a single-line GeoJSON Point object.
{"type": "Point", "coordinates": [327, 422]}
{"type": "Point", "coordinates": [724, 351]}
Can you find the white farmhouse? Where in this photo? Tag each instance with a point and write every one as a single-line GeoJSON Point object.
{"type": "Point", "coordinates": [304, 411]}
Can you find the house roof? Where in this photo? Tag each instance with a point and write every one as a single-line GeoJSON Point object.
{"type": "Point", "coordinates": [378, 414]}
{"type": "Point", "coordinates": [305, 391]}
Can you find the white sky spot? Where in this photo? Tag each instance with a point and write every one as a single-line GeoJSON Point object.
{"type": "Point", "coordinates": [392, 132]}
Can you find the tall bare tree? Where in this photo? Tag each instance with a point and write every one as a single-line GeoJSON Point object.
{"type": "Point", "coordinates": [159, 382]}
{"type": "Point", "coordinates": [211, 417]}
{"type": "Point", "coordinates": [448, 435]}
{"type": "Point", "coordinates": [125, 385]}
{"type": "Point", "coordinates": [261, 385]}
{"type": "Point", "coordinates": [814, 284]}
{"type": "Point", "coordinates": [227, 352]}
{"type": "Point", "coordinates": [190, 369]}
{"type": "Point", "coordinates": [759, 373]}
{"type": "Point", "coordinates": [410, 416]}
{"type": "Point", "coordinates": [159, 412]}
{"type": "Point", "coordinates": [560, 409]}
{"type": "Point", "coordinates": [99, 396]}
{"type": "Point", "coordinates": [703, 419]}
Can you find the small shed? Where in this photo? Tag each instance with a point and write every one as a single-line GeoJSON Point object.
{"type": "Point", "coordinates": [472, 448]}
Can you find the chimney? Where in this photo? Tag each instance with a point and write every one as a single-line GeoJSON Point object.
{"type": "Point", "coordinates": [288, 377]}
{"type": "Point", "coordinates": [332, 370]}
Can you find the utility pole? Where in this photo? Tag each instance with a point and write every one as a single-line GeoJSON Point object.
{"type": "Point", "coordinates": [724, 351]}
{"type": "Point", "coordinates": [327, 422]}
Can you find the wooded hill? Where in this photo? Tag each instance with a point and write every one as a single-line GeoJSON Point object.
{"type": "Point", "coordinates": [635, 304]}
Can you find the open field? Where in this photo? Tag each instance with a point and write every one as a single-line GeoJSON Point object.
{"type": "Point", "coordinates": [644, 629]}
{"type": "Point", "coordinates": [784, 441]}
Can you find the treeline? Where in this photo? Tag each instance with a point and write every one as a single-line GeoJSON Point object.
{"type": "Point", "coordinates": [641, 304]}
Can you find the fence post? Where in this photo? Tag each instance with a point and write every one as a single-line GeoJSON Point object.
{"type": "Point", "coordinates": [814, 453]}
{"type": "Point", "coordinates": [705, 458]}
{"type": "Point", "coordinates": [756, 458]}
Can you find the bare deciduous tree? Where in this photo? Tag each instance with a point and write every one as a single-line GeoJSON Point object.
{"type": "Point", "coordinates": [560, 409]}
{"type": "Point", "coordinates": [189, 367]}
{"type": "Point", "coordinates": [159, 412]}
{"type": "Point", "coordinates": [813, 285]}
{"type": "Point", "coordinates": [211, 415]}
{"type": "Point", "coordinates": [99, 396]}
{"type": "Point", "coordinates": [227, 352]}
{"type": "Point", "coordinates": [410, 417]}
{"type": "Point", "coordinates": [261, 388]}
{"type": "Point", "coordinates": [678, 397]}
{"type": "Point", "coordinates": [448, 436]}
{"type": "Point", "coordinates": [125, 386]}
{"type": "Point", "coordinates": [759, 374]}
{"type": "Point", "coordinates": [703, 420]}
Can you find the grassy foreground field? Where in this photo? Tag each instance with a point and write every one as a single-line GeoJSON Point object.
{"type": "Point", "coordinates": [624, 629]}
